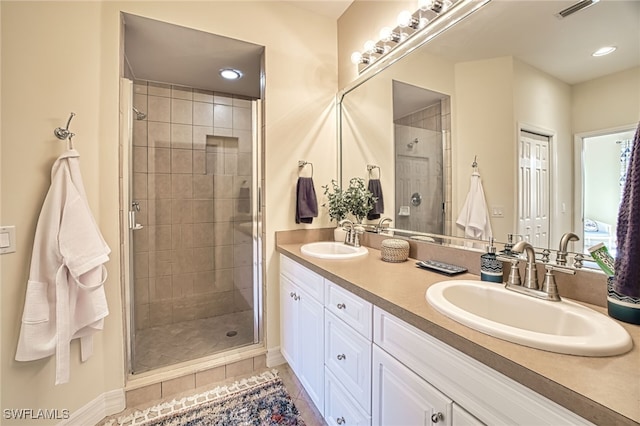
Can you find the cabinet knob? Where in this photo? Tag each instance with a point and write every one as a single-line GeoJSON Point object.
{"type": "Point", "coordinates": [342, 306]}
{"type": "Point", "coordinates": [436, 417]}
{"type": "Point", "coordinates": [341, 357]}
{"type": "Point", "coordinates": [292, 294]}
{"type": "Point", "coordinates": [340, 420]}
{"type": "Point", "coordinates": [296, 297]}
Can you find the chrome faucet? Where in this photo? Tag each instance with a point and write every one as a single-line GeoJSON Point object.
{"type": "Point", "coordinates": [530, 273]}
{"type": "Point", "coordinates": [549, 290]}
{"type": "Point", "coordinates": [380, 226]}
{"type": "Point", "coordinates": [561, 257]}
{"type": "Point", "coordinates": [353, 233]}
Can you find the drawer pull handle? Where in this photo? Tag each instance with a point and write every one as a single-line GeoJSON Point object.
{"type": "Point", "coordinates": [342, 306]}
{"type": "Point", "coordinates": [340, 420]}
{"type": "Point", "coordinates": [341, 357]}
{"type": "Point", "coordinates": [436, 417]}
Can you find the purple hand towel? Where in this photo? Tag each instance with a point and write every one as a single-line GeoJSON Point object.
{"type": "Point", "coordinates": [378, 207]}
{"type": "Point", "coordinates": [306, 201]}
{"type": "Point", "coordinates": [627, 266]}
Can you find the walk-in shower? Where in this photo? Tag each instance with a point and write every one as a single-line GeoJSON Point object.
{"type": "Point", "coordinates": [194, 247]}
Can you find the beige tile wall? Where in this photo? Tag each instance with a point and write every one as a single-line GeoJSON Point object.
{"type": "Point", "coordinates": [192, 177]}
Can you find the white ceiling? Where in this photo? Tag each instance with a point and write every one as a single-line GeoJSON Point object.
{"type": "Point", "coordinates": [531, 31]}
{"type": "Point", "coordinates": [528, 30]}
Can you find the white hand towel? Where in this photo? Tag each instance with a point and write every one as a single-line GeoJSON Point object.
{"type": "Point", "coordinates": [474, 216]}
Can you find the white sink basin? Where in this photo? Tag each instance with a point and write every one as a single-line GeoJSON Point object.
{"type": "Point", "coordinates": [564, 327]}
{"type": "Point", "coordinates": [332, 250]}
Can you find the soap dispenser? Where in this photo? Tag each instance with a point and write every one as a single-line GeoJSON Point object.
{"type": "Point", "coordinates": [490, 266]}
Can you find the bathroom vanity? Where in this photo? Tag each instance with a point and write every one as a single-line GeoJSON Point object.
{"type": "Point", "coordinates": [369, 349]}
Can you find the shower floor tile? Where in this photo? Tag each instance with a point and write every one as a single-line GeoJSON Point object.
{"type": "Point", "coordinates": [173, 343]}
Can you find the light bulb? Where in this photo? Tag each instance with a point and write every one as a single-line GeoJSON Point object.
{"type": "Point", "coordinates": [425, 5]}
{"type": "Point", "coordinates": [385, 34]}
{"type": "Point", "coordinates": [404, 19]}
{"type": "Point", "coordinates": [356, 58]}
{"type": "Point", "coordinates": [370, 46]}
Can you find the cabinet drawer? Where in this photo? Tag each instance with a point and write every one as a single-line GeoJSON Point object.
{"type": "Point", "coordinates": [339, 407]}
{"type": "Point", "coordinates": [348, 355]}
{"type": "Point", "coordinates": [308, 280]}
{"type": "Point", "coordinates": [349, 308]}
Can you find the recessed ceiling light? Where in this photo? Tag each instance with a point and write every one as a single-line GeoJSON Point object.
{"type": "Point", "coordinates": [604, 51]}
{"type": "Point", "coordinates": [230, 74]}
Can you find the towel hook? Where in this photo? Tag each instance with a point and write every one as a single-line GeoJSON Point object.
{"type": "Point", "coordinates": [302, 163]}
{"type": "Point", "coordinates": [370, 168]}
{"type": "Point", "coordinates": [474, 165]}
{"type": "Point", "coordinates": [63, 134]}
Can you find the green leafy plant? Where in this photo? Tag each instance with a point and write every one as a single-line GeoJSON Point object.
{"type": "Point", "coordinates": [359, 199]}
{"type": "Point", "coordinates": [336, 203]}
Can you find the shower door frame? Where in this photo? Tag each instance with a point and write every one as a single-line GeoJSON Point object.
{"type": "Point", "coordinates": [126, 199]}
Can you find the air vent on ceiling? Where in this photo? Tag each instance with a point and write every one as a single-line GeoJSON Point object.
{"type": "Point", "coordinates": [582, 4]}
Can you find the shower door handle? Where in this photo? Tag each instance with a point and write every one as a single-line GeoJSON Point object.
{"type": "Point", "coordinates": [133, 223]}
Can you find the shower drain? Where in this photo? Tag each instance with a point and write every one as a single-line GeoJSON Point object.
{"type": "Point", "coordinates": [231, 333]}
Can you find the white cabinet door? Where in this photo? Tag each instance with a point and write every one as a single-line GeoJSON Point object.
{"type": "Point", "coordinates": [311, 347]}
{"type": "Point", "coordinates": [302, 337]}
{"type": "Point", "coordinates": [288, 322]}
{"type": "Point", "coordinates": [400, 397]}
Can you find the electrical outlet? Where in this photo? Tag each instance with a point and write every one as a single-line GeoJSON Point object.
{"type": "Point", "coordinates": [497, 211]}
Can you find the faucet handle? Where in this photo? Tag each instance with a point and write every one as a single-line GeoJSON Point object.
{"type": "Point", "coordinates": [514, 274]}
{"type": "Point", "coordinates": [562, 269]}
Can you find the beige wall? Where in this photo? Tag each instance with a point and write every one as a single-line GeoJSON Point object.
{"type": "Point", "coordinates": [607, 102]}
{"type": "Point", "coordinates": [543, 103]}
{"type": "Point", "coordinates": [59, 57]}
{"type": "Point", "coordinates": [483, 124]}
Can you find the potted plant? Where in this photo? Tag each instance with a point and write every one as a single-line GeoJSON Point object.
{"type": "Point", "coordinates": [359, 199]}
{"type": "Point", "coordinates": [337, 207]}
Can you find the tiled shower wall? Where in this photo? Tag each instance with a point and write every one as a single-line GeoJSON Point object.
{"type": "Point", "coordinates": [192, 158]}
{"type": "Point", "coordinates": [437, 118]}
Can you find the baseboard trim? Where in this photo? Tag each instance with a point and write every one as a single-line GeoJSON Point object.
{"type": "Point", "coordinates": [95, 411]}
{"type": "Point", "coordinates": [274, 357]}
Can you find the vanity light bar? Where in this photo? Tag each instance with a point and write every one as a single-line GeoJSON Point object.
{"type": "Point", "coordinates": [431, 18]}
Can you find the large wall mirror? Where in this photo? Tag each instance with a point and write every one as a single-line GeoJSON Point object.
{"type": "Point", "coordinates": [515, 90]}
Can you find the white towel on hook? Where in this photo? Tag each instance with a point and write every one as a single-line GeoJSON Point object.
{"type": "Point", "coordinates": [474, 216]}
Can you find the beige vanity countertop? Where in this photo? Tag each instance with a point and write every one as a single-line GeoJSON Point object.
{"type": "Point", "coordinates": [604, 390]}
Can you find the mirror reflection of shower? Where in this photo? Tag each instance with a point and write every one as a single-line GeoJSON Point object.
{"type": "Point", "coordinates": [139, 114]}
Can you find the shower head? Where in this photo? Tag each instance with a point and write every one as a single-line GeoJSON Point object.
{"type": "Point", "coordinates": [139, 115]}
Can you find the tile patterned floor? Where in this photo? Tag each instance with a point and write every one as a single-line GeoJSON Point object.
{"type": "Point", "coordinates": [174, 343]}
{"type": "Point", "coordinates": [308, 411]}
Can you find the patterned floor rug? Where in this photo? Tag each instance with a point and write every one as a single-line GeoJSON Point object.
{"type": "Point", "coordinates": [259, 400]}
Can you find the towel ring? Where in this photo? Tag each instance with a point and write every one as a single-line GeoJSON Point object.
{"type": "Point", "coordinates": [370, 168]}
{"type": "Point", "coordinates": [302, 163]}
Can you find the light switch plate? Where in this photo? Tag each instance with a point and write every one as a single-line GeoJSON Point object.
{"type": "Point", "coordinates": [8, 239]}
